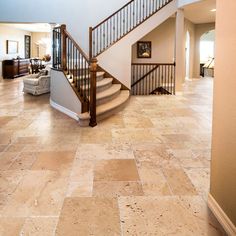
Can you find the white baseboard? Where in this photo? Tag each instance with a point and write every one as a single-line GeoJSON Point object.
{"type": "Point", "coordinates": [64, 110]}
{"type": "Point", "coordinates": [224, 220]}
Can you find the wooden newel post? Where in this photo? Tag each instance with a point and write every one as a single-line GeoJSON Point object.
{"type": "Point", "coordinates": [93, 91]}
{"type": "Point", "coordinates": [63, 47]}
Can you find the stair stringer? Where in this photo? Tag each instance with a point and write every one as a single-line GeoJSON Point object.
{"type": "Point", "coordinates": [117, 58]}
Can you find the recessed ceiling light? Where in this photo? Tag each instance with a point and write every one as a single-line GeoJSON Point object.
{"type": "Point", "coordinates": [213, 10]}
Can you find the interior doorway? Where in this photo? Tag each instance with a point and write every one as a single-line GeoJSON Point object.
{"type": "Point", "coordinates": [207, 54]}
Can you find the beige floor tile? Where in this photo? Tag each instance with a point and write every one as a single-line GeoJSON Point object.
{"type": "Point", "coordinates": [154, 156]}
{"type": "Point", "coordinates": [24, 161]}
{"type": "Point", "coordinates": [6, 159]}
{"type": "Point", "coordinates": [187, 158]}
{"type": "Point", "coordinates": [200, 177]}
{"type": "Point", "coordinates": [9, 181]}
{"type": "Point", "coordinates": [105, 151]}
{"type": "Point", "coordinates": [116, 170]}
{"type": "Point", "coordinates": [39, 193]}
{"type": "Point", "coordinates": [158, 187]}
{"type": "Point", "coordinates": [15, 148]}
{"type": "Point", "coordinates": [95, 135]}
{"type": "Point", "coordinates": [117, 188]}
{"type": "Point", "coordinates": [6, 138]}
{"type": "Point", "coordinates": [134, 135]}
{"type": "Point", "coordinates": [179, 182]}
{"type": "Point", "coordinates": [2, 147]}
{"type": "Point", "coordinates": [115, 121]}
{"type": "Point", "coordinates": [89, 216]}
{"type": "Point", "coordinates": [54, 161]}
{"type": "Point", "coordinates": [49, 201]}
{"type": "Point", "coordinates": [39, 226]}
{"type": "Point", "coordinates": [28, 140]}
{"type": "Point", "coordinates": [82, 171]}
{"type": "Point", "coordinates": [5, 119]}
{"type": "Point", "coordinates": [11, 226]}
{"type": "Point", "coordinates": [156, 216]}
{"type": "Point", "coordinates": [80, 189]}
{"type": "Point", "coordinates": [207, 223]}
{"type": "Point", "coordinates": [137, 122]}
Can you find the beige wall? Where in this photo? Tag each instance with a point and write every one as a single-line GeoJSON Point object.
{"type": "Point", "coordinates": [163, 44]}
{"type": "Point", "coordinates": [223, 166]}
{"type": "Point", "coordinates": [10, 33]}
{"type": "Point", "coordinates": [190, 27]}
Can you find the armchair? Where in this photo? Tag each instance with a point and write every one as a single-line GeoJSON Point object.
{"type": "Point", "coordinates": [36, 84]}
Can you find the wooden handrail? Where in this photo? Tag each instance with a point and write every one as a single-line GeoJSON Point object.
{"type": "Point", "coordinates": [152, 64]}
{"type": "Point", "coordinates": [76, 45]}
{"type": "Point", "coordinates": [93, 28]}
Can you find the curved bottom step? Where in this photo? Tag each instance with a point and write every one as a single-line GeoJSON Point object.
{"type": "Point", "coordinates": [107, 109]}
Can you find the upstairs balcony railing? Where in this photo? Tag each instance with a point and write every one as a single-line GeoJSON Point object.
{"type": "Point", "coordinates": [153, 78]}
{"type": "Point", "coordinates": [120, 23]}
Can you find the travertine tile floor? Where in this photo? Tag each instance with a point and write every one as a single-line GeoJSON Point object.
{"type": "Point", "coordinates": [144, 171]}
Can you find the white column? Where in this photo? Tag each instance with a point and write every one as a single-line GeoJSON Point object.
{"type": "Point", "coordinates": [180, 50]}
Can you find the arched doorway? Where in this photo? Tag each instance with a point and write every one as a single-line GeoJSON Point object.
{"type": "Point", "coordinates": [207, 53]}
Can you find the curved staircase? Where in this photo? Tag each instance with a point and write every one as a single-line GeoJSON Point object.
{"type": "Point", "coordinates": [109, 100]}
{"type": "Point", "coordinates": [101, 94]}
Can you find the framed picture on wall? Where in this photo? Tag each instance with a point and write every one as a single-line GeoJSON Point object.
{"type": "Point", "coordinates": [12, 47]}
{"type": "Point", "coordinates": [27, 46]}
{"type": "Point", "coordinates": [144, 49]}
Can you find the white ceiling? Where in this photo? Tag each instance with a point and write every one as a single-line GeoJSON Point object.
{"type": "Point", "coordinates": [200, 12]}
{"type": "Point", "coordinates": [36, 27]}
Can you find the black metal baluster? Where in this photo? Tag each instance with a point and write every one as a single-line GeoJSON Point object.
{"type": "Point", "coordinates": [147, 8]}
{"type": "Point", "coordinates": [169, 78]}
{"type": "Point", "coordinates": [113, 28]}
{"type": "Point", "coordinates": [144, 81]}
{"type": "Point", "coordinates": [73, 63]}
{"type": "Point", "coordinates": [76, 67]}
{"type": "Point", "coordinates": [174, 68]}
{"type": "Point", "coordinates": [79, 71]}
{"type": "Point", "coordinates": [68, 72]}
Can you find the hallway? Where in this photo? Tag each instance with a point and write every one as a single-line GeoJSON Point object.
{"type": "Point", "coordinates": [144, 171]}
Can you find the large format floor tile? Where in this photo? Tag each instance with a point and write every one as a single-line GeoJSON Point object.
{"type": "Point", "coordinates": [116, 170]}
{"type": "Point", "coordinates": [89, 216]}
{"type": "Point", "coordinates": [143, 171]}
